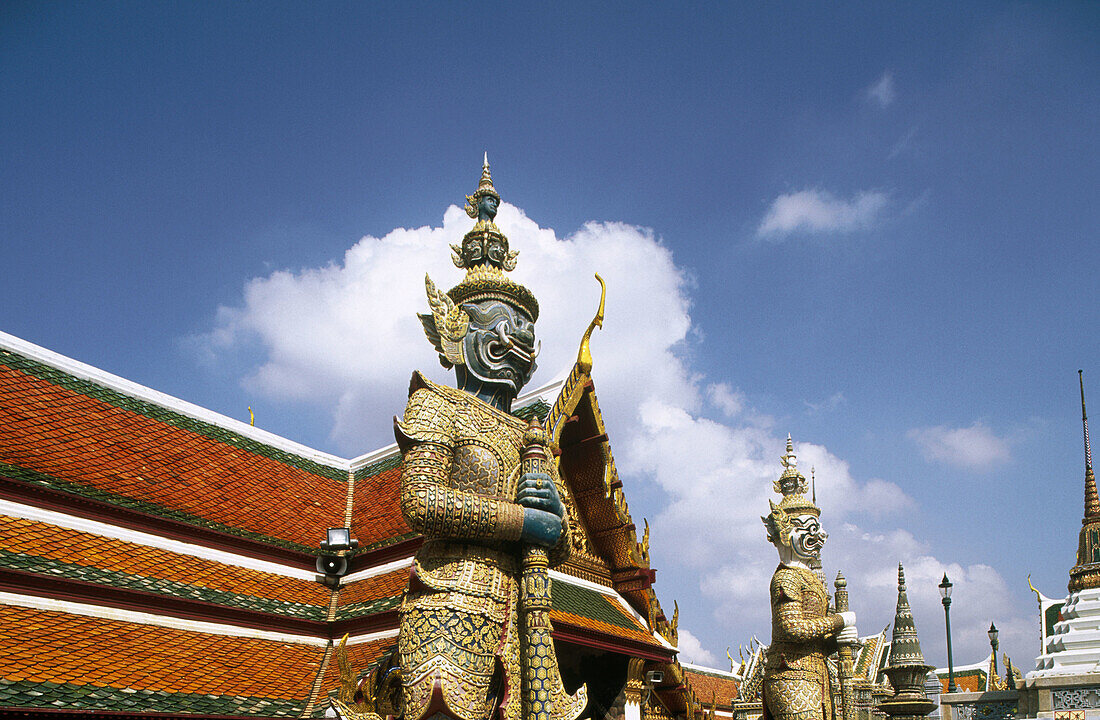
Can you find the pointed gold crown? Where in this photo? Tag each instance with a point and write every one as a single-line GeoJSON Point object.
{"type": "Point", "coordinates": [485, 256]}
{"type": "Point", "coordinates": [484, 189]}
{"type": "Point", "coordinates": [792, 484]}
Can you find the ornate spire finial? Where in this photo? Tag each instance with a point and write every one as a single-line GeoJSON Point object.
{"type": "Point", "coordinates": [813, 485]}
{"type": "Point", "coordinates": [793, 486]}
{"type": "Point", "coordinates": [486, 177]}
{"type": "Point", "coordinates": [1092, 501]}
{"type": "Point", "coordinates": [485, 255]}
{"type": "Point", "coordinates": [791, 482]}
{"type": "Point", "coordinates": [906, 667]}
{"type": "Point", "coordinates": [478, 205]}
{"type": "Point", "coordinates": [1085, 422]}
{"type": "Point", "coordinates": [1086, 573]}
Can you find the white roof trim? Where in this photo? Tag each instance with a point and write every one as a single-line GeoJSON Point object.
{"type": "Point", "coordinates": [377, 570]}
{"type": "Point", "coordinates": [982, 665]}
{"type": "Point", "coordinates": [372, 457]}
{"type": "Point", "coordinates": [72, 522]}
{"type": "Point", "coordinates": [709, 670]}
{"type": "Point", "coordinates": [371, 637]}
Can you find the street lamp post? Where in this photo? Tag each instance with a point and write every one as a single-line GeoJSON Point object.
{"type": "Point", "coordinates": [993, 633]}
{"type": "Point", "coordinates": [945, 594]}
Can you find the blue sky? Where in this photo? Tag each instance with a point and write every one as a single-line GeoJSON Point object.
{"type": "Point", "coordinates": [871, 227]}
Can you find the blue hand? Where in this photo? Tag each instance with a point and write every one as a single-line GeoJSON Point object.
{"type": "Point", "coordinates": [537, 491]}
{"type": "Point", "coordinates": [541, 528]}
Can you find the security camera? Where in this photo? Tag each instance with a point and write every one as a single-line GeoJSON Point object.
{"type": "Point", "coordinates": [655, 677]}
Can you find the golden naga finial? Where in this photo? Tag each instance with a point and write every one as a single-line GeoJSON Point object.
{"type": "Point", "coordinates": [1038, 595]}
{"type": "Point", "coordinates": [347, 674]}
{"type": "Point", "coordinates": [251, 417]}
{"type": "Point", "coordinates": [584, 355]}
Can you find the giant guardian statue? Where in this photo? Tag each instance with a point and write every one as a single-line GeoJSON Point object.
{"type": "Point", "coordinates": [804, 632]}
{"type": "Point", "coordinates": [479, 484]}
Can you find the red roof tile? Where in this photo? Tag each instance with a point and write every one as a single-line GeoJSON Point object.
{"type": "Point", "coordinates": [83, 443]}
{"type": "Point", "coordinates": [48, 646]}
{"type": "Point", "coordinates": [707, 685]}
{"type": "Point", "coordinates": [389, 585]}
{"type": "Point", "coordinates": [376, 510]}
{"type": "Point", "coordinates": [42, 540]}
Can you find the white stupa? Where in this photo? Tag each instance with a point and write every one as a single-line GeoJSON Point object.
{"type": "Point", "coordinates": [1074, 645]}
{"type": "Point", "coordinates": [1067, 673]}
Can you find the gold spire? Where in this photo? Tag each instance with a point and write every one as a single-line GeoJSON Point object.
{"type": "Point", "coordinates": [1086, 573]}
{"type": "Point", "coordinates": [1092, 502]}
{"type": "Point", "coordinates": [486, 177]}
{"type": "Point", "coordinates": [484, 188]}
{"type": "Point", "coordinates": [791, 482]}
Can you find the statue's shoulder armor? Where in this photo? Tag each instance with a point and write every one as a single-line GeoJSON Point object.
{"type": "Point", "coordinates": [787, 584]}
{"type": "Point", "coordinates": [429, 414]}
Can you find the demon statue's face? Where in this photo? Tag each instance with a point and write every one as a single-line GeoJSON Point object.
{"type": "Point", "coordinates": [496, 250]}
{"type": "Point", "coordinates": [807, 537]}
{"type": "Point", "coordinates": [500, 346]}
{"type": "Point", "coordinates": [487, 208]}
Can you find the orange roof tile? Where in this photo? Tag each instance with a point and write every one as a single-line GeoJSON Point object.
{"type": "Point", "coordinates": [707, 685]}
{"type": "Point", "coordinates": [42, 646]}
{"type": "Point", "coordinates": [363, 597]}
{"type": "Point", "coordinates": [966, 681]}
{"type": "Point", "coordinates": [376, 510]}
{"type": "Point", "coordinates": [25, 544]}
{"type": "Point", "coordinates": [91, 445]}
{"type": "Point", "coordinates": [637, 635]}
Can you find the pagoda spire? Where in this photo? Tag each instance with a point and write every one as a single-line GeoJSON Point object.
{"type": "Point", "coordinates": [904, 644]}
{"type": "Point", "coordinates": [906, 667]}
{"type": "Point", "coordinates": [1086, 573]}
{"type": "Point", "coordinates": [1092, 502]}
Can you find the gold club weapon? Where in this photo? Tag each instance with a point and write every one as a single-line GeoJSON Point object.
{"type": "Point", "coordinates": [845, 667]}
{"type": "Point", "coordinates": [544, 696]}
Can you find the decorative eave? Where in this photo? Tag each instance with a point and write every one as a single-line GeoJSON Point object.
{"type": "Point", "coordinates": [580, 442]}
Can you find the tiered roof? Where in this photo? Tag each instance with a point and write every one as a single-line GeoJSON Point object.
{"type": "Point", "coordinates": [158, 557]}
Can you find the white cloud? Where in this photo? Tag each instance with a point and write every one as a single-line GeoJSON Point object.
{"type": "Point", "coordinates": [882, 90]}
{"type": "Point", "coordinates": [817, 211]}
{"type": "Point", "coordinates": [975, 447]}
{"type": "Point", "coordinates": [692, 651]}
{"type": "Point", "coordinates": [731, 402]}
{"type": "Point", "coordinates": [345, 336]}
{"type": "Point", "coordinates": [830, 403]}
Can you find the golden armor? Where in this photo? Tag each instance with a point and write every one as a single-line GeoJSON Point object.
{"type": "Point", "coordinates": [459, 617]}
{"type": "Point", "coordinates": [796, 679]}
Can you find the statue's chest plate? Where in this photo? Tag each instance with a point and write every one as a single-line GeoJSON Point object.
{"type": "Point", "coordinates": [486, 453]}
{"type": "Point", "coordinates": [813, 600]}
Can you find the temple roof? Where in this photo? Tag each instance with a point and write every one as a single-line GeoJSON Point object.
{"type": "Point", "coordinates": [712, 686]}
{"type": "Point", "coordinates": [157, 556]}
